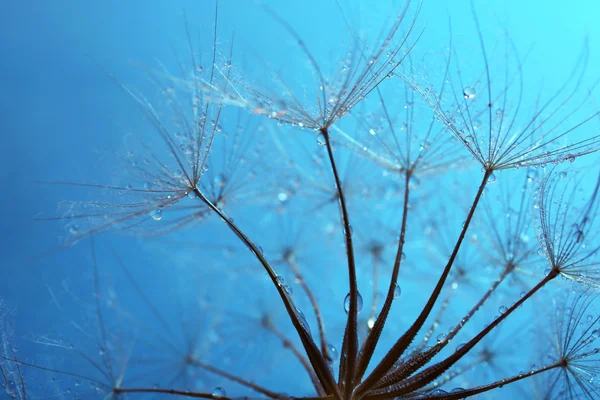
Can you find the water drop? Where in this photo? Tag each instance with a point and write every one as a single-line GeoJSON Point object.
{"type": "Point", "coordinates": [359, 303]}
{"type": "Point", "coordinates": [397, 291]}
{"type": "Point", "coordinates": [469, 92]}
{"type": "Point", "coordinates": [372, 132]}
{"type": "Point", "coordinates": [220, 180]}
{"type": "Point", "coordinates": [413, 182]}
{"type": "Point", "coordinates": [562, 175]}
{"type": "Point", "coordinates": [156, 214]}
{"type": "Point", "coordinates": [371, 322]}
{"type": "Point", "coordinates": [282, 196]}
{"type": "Point", "coordinates": [321, 139]}
{"type": "Point", "coordinates": [219, 392]}
{"type": "Point", "coordinates": [302, 319]}
{"type": "Point", "coordinates": [570, 158]}
{"type": "Point", "coordinates": [491, 178]}
{"type": "Point", "coordinates": [333, 354]}
{"type": "Point", "coordinates": [502, 309]}
{"type": "Point", "coordinates": [541, 252]}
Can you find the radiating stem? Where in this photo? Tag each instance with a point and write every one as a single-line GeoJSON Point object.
{"type": "Point", "coordinates": [289, 345]}
{"type": "Point", "coordinates": [186, 393]}
{"type": "Point", "coordinates": [418, 359]}
{"type": "Point", "coordinates": [406, 339]}
{"type": "Point", "coordinates": [243, 382]}
{"type": "Point", "coordinates": [434, 325]}
{"type": "Point", "coordinates": [426, 376]}
{"type": "Point", "coordinates": [350, 343]}
{"type": "Point", "coordinates": [375, 333]}
{"type": "Point", "coordinates": [313, 302]}
{"type": "Point", "coordinates": [507, 271]}
{"type": "Point", "coordinates": [316, 359]}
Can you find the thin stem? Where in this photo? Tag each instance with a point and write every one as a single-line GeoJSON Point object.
{"type": "Point", "coordinates": [507, 271]}
{"type": "Point", "coordinates": [315, 306]}
{"type": "Point", "coordinates": [187, 393]}
{"type": "Point", "coordinates": [243, 382]}
{"type": "Point", "coordinates": [289, 345]}
{"type": "Point", "coordinates": [316, 359]}
{"type": "Point", "coordinates": [426, 376]}
{"type": "Point", "coordinates": [375, 333]}
{"type": "Point", "coordinates": [419, 359]}
{"type": "Point", "coordinates": [404, 341]}
{"type": "Point", "coordinates": [481, 389]}
{"type": "Point", "coordinates": [434, 325]}
{"type": "Point", "coordinates": [350, 343]}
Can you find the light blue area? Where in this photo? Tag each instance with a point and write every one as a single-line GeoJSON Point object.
{"type": "Point", "coordinates": [66, 120]}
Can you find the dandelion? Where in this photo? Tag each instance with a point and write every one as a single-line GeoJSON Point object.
{"type": "Point", "coordinates": [487, 117]}
{"type": "Point", "coordinates": [575, 345]}
{"type": "Point", "coordinates": [566, 224]}
{"type": "Point", "coordinates": [163, 175]}
{"type": "Point", "coordinates": [363, 70]}
{"type": "Point", "coordinates": [380, 259]}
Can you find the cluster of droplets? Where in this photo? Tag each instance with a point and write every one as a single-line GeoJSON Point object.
{"type": "Point", "coordinates": [286, 288]}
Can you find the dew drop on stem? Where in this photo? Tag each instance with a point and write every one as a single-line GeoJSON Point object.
{"type": "Point", "coordinates": [156, 214]}
{"type": "Point", "coordinates": [321, 140]}
{"type": "Point", "coordinates": [332, 351]}
{"type": "Point", "coordinates": [469, 92]}
{"type": "Point", "coordinates": [303, 321]}
{"type": "Point", "coordinates": [219, 392]}
{"type": "Point", "coordinates": [359, 303]}
{"type": "Point", "coordinates": [397, 291]}
{"type": "Point", "coordinates": [413, 182]}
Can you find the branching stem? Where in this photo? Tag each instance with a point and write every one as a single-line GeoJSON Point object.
{"type": "Point", "coordinates": [314, 355]}
{"type": "Point", "coordinates": [406, 339]}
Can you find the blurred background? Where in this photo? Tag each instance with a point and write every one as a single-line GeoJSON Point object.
{"type": "Point", "coordinates": [197, 290]}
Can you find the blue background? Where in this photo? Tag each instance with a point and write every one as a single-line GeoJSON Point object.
{"type": "Point", "coordinates": [63, 119]}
